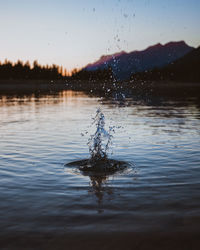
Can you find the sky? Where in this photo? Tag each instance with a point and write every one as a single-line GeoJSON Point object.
{"type": "Point", "coordinates": [75, 33]}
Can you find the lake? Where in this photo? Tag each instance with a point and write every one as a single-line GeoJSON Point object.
{"type": "Point", "coordinates": [158, 136]}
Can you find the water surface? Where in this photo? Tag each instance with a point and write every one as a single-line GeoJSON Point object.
{"type": "Point", "coordinates": [158, 136]}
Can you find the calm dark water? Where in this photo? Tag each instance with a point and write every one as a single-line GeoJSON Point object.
{"type": "Point", "coordinates": [159, 137]}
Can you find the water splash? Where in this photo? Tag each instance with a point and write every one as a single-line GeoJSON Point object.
{"type": "Point", "coordinates": [99, 144]}
{"type": "Point", "coordinates": [101, 140]}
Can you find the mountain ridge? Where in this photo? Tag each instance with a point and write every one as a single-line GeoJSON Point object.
{"type": "Point", "coordinates": [124, 64]}
{"type": "Point", "coordinates": [186, 68]}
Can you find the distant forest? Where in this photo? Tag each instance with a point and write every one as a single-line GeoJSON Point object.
{"type": "Point", "coordinates": [26, 71]}
{"type": "Point", "coordinates": [20, 70]}
{"type": "Point", "coordinates": [91, 75]}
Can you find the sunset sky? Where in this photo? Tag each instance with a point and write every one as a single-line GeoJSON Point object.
{"type": "Point", "coordinates": [74, 33]}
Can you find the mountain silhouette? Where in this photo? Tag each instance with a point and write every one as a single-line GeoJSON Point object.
{"type": "Point", "coordinates": [184, 69]}
{"type": "Point", "coordinates": [125, 64]}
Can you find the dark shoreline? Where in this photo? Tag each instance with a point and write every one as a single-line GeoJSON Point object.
{"type": "Point", "coordinates": [106, 87]}
{"type": "Point", "coordinates": [103, 241]}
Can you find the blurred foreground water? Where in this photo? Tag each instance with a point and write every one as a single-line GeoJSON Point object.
{"type": "Point", "coordinates": [158, 136]}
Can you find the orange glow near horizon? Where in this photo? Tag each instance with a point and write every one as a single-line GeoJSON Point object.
{"type": "Point", "coordinates": [62, 70]}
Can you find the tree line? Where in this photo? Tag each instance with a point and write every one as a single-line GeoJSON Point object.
{"type": "Point", "coordinates": [92, 75]}
{"type": "Point", "coordinates": [20, 70]}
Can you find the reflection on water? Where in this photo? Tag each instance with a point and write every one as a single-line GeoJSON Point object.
{"type": "Point", "coordinates": [99, 187]}
{"type": "Point", "coordinates": [49, 98]}
{"type": "Point", "coordinates": [40, 132]}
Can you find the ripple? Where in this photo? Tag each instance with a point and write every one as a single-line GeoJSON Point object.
{"type": "Point", "coordinates": [100, 167]}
